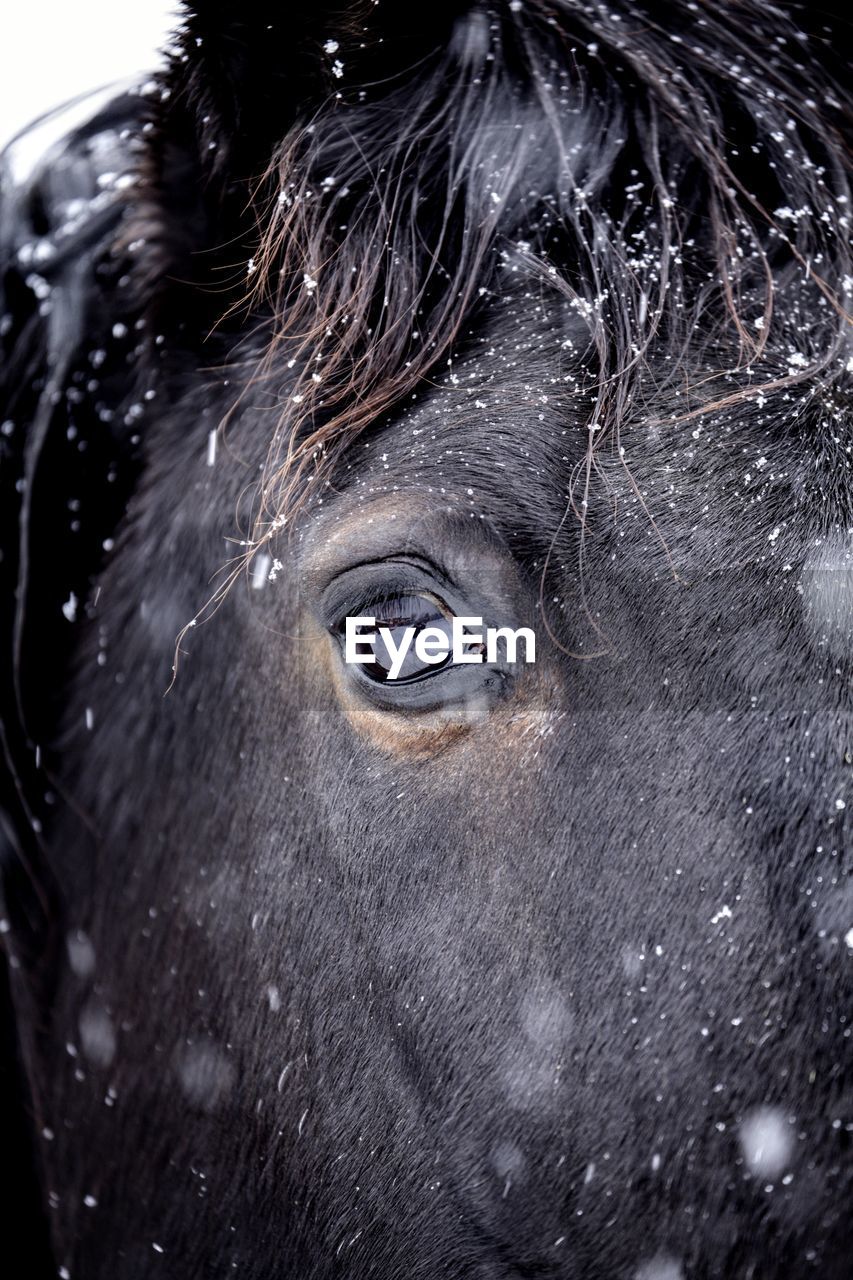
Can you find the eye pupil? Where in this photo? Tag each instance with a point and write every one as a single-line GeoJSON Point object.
{"type": "Point", "coordinates": [396, 613]}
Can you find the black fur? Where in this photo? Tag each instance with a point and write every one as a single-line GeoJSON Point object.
{"type": "Point", "coordinates": [307, 986]}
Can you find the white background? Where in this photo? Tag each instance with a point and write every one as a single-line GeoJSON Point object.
{"type": "Point", "coordinates": [53, 50]}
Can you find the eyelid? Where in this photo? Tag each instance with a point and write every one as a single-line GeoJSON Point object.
{"type": "Point", "coordinates": [434, 599]}
{"type": "Point", "coordinates": [372, 606]}
{"type": "Point", "coordinates": [361, 586]}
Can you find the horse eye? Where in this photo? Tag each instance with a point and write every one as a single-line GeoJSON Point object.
{"type": "Point", "coordinates": [396, 613]}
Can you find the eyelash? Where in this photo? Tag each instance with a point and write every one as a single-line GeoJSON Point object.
{"type": "Point", "coordinates": [415, 609]}
{"type": "Point", "coordinates": [372, 604]}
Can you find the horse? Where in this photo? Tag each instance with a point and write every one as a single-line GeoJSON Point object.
{"type": "Point", "coordinates": [531, 311]}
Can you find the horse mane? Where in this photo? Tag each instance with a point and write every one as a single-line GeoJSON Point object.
{"type": "Point", "coordinates": [677, 173]}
